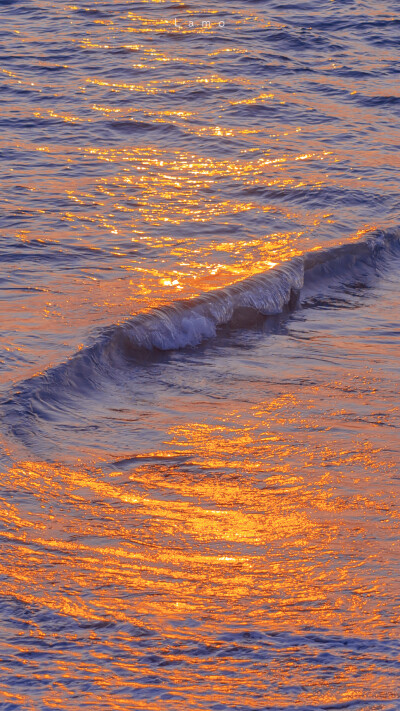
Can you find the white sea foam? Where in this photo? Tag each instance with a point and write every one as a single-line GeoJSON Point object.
{"type": "Point", "coordinates": [189, 322]}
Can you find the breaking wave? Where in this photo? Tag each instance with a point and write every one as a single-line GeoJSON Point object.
{"type": "Point", "coordinates": [189, 322]}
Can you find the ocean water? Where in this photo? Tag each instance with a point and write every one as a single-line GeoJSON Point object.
{"type": "Point", "coordinates": [199, 355]}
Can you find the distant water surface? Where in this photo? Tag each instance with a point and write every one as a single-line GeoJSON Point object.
{"type": "Point", "coordinates": [199, 355]}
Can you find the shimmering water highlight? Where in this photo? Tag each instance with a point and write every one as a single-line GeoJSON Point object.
{"type": "Point", "coordinates": [199, 356]}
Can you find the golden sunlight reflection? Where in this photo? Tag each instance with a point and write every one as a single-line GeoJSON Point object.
{"type": "Point", "coordinates": [210, 527]}
{"type": "Point", "coordinates": [162, 543]}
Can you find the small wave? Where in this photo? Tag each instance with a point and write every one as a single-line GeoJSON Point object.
{"type": "Point", "coordinates": [187, 323]}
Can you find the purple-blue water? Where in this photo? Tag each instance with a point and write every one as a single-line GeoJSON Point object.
{"type": "Point", "coordinates": [199, 356]}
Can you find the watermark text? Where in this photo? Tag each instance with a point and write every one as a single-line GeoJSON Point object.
{"type": "Point", "coordinates": [202, 24]}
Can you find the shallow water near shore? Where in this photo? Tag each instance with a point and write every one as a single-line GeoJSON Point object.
{"type": "Point", "coordinates": [199, 351]}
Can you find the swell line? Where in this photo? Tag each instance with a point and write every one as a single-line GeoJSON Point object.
{"type": "Point", "coordinates": [187, 323]}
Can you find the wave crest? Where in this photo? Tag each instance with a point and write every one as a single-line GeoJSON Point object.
{"type": "Point", "coordinates": [187, 323]}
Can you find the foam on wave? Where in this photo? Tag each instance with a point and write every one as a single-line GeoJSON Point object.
{"type": "Point", "coordinates": [187, 323]}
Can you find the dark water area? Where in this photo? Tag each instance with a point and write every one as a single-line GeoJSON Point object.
{"type": "Point", "coordinates": [199, 356]}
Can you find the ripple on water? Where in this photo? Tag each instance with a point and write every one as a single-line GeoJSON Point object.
{"type": "Point", "coordinates": [214, 527]}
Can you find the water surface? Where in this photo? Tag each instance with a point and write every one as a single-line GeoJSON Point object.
{"type": "Point", "coordinates": [199, 499]}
